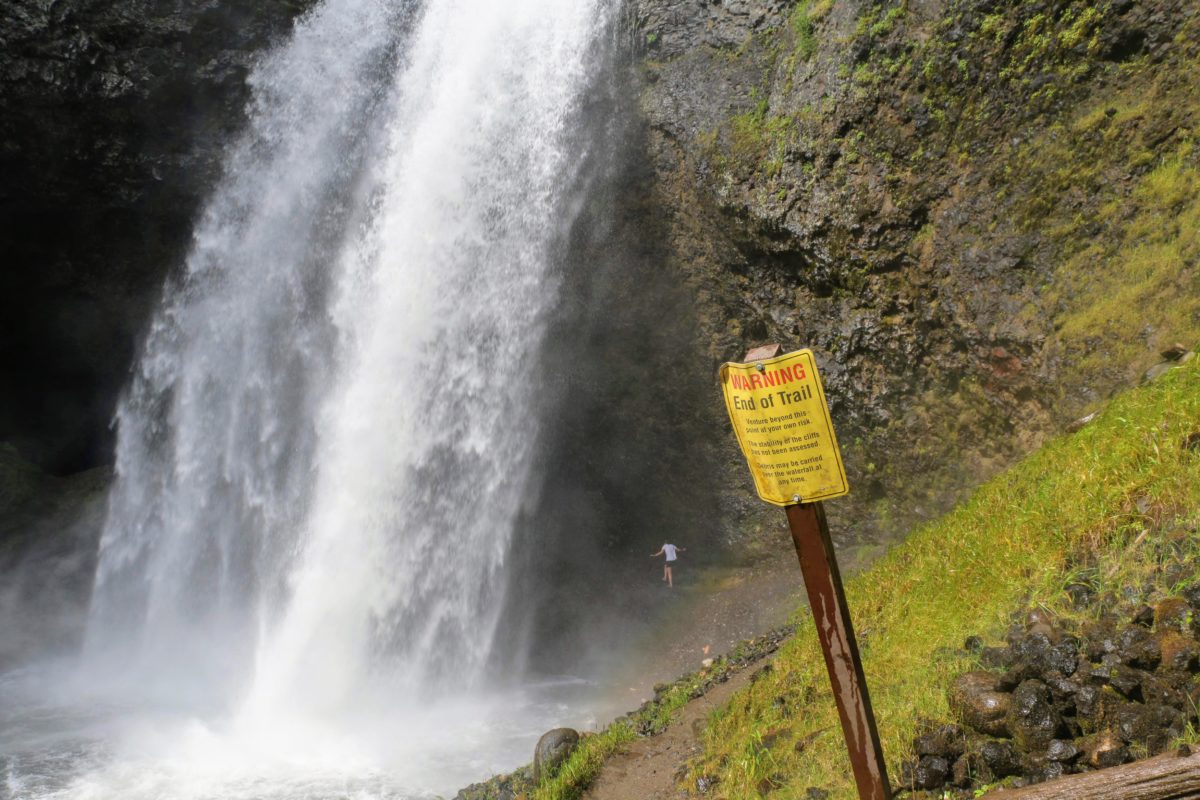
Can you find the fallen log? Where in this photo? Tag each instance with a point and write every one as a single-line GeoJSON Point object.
{"type": "Point", "coordinates": [1171, 776]}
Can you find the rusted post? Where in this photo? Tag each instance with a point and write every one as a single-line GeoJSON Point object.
{"type": "Point", "coordinates": [823, 582]}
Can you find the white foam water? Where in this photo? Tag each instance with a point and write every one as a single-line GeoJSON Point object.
{"type": "Point", "coordinates": [326, 444]}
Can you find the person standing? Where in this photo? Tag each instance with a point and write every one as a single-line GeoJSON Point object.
{"type": "Point", "coordinates": [670, 551]}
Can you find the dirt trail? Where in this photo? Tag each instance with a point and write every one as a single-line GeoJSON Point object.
{"type": "Point", "coordinates": [721, 608]}
{"type": "Point", "coordinates": [648, 770]}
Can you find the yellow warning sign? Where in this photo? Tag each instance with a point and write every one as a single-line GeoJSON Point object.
{"type": "Point", "coordinates": [778, 410]}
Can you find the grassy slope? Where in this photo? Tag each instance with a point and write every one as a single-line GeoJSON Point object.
{"type": "Point", "coordinates": [1013, 543]}
{"type": "Point", "coordinates": [1018, 541]}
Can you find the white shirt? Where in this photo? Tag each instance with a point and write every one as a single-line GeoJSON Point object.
{"type": "Point", "coordinates": [669, 549]}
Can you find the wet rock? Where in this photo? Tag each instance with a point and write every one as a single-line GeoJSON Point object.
{"type": "Point", "coordinates": [1080, 593]}
{"type": "Point", "coordinates": [947, 741]}
{"type": "Point", "coordinates": [1039, 620]}
{"type": "Point", "coordinates": [1137, 647]}
{"type": "Point", "coordinates": [1041, 769]}
{"type": "Point", "coordinates": [1166, 688]}
{"type": "Point", "coordinates": [1156, 372]}
{"type": "Point", "coordinates": [553, 749]}
{"type": "Point", "coordinates": [1174, 613]}
{"type": "Point", "coordinates": [1100, 639]}
{"type": "Point", "coordinates": [1174, 352]}
{"type": "Point", "coordinates": [1104, 750]}
{"type": "Point", "coordinates": [1000, 757]}
{"type": "Point", "coordinates": [994, 657]}
{"type": "Point", "coordinates": [1087, 702]}
{"type": "Point", "coordinates": [1062, 750]}
{"type": "Point", "coordinates": [114, 120]}
{"type": "Point", "coordinates": [1192, 593]}
{"type": "Point", "coordinates": [1178, 652]}
{"type": "Point", "coordinates": [1082, 422]}
{"type": "Point", "coordinates": [1150, 725]}
{"type": "Point", "coordinates": [1062, 688]}
{"type": "Point", "coordinates": [1127, 681]}
{"type": "Point", "coordinates": [1100, 674]}
{"type": "Point", "coordinates": [500, 787]}
{"type": "Point", "coordinates": [1143, 616]}
{"type": "Point", "coordinates": [1031, 719]}
{"type": "Point", "coordinates": [930, 772]}
{"type": "Point", "coordinates": [975, 698]}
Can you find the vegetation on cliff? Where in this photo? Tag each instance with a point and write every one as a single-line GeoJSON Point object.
{"type": "Point", "coordinates": [981, 215]}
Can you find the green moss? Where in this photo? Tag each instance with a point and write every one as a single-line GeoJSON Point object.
{"type": "Point", "coordinates": [1122, 299]}
{"type": "Point", "coordinates": [1015, 542]}
{"type": "Point", "coordinates": [802, 25]}
{"type": "Point", "coordinates": [759, 140]}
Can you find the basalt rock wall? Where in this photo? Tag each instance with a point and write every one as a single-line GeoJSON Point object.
{"type": "Point", "coordinates": [974, 211]}
{"type": "Point", "coordinates": [113, 118]}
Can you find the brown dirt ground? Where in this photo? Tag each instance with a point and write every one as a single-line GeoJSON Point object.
{"type": "Point", "coordinates": [714, 610]}
{"type": "Point", "coordinates": [649, 769]}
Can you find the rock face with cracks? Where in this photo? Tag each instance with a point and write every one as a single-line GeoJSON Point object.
{"type": "Point", "coordinates": [113, 120]}
{"type": "Point", "coordinates": [919, 192]}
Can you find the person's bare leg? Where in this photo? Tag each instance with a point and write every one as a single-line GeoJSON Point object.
{"type": "Point", "coordinates": [669, 584]}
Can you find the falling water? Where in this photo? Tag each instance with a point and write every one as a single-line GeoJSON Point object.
{"type": "Point", "coordinates": [325, 445]}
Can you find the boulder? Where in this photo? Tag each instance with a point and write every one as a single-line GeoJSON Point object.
{"type": "Point", "coordinates": [1104, 750]}
{"type": "Point", "coordinates": [1031, 719]}
{"type": "Point", "coordinates": [552, 750]}
{"type": "Point", "coordinates": [947, 741]}
{"type": "Point", "coordinates": [976, 699]}
{"type": "Point", "coordinates": [1138, 648]}
{"type": "Point", "coordinates": [1174, 352]}
{"type": "Point", "coordinates": [1174, 613]}
{"type": "Point", "coordinates": [1179, 652]}
{"type": "Point", "coordinates": [1000, 757]}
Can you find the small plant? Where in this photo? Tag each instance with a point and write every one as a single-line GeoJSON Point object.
{"type": "Point", "coordinates": [802, 25]}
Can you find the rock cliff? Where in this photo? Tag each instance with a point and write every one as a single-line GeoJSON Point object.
{"type": "Point", "coordinates": [113, 118]}
{"type": "Point", "coordinates": [979, 213]}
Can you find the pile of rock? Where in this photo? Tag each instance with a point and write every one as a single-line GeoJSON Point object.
{"type": "Point", "coordinates": [1054, 702]}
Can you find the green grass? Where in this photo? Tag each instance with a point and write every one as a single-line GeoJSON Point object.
{"type": "Point", "coordinates": [804, 17]}
{"type": "Point", "coordinates": [1122, 299]}
{"type": "Point", "coordinates": [1017, 542]}
{"type": "Point", "coordinates": [584, 764]}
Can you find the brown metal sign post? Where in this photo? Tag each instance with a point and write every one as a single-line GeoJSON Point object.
{"type": "Point", "coordinates": [777, 406]}
{"type": "Point", "coordinates": [823, 583]}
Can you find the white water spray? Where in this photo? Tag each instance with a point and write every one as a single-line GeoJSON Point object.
{"type": "Point", "coordinates": [326, 444]}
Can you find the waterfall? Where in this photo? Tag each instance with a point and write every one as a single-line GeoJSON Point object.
{"type": "Point", "coordinates": [326, 441]}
